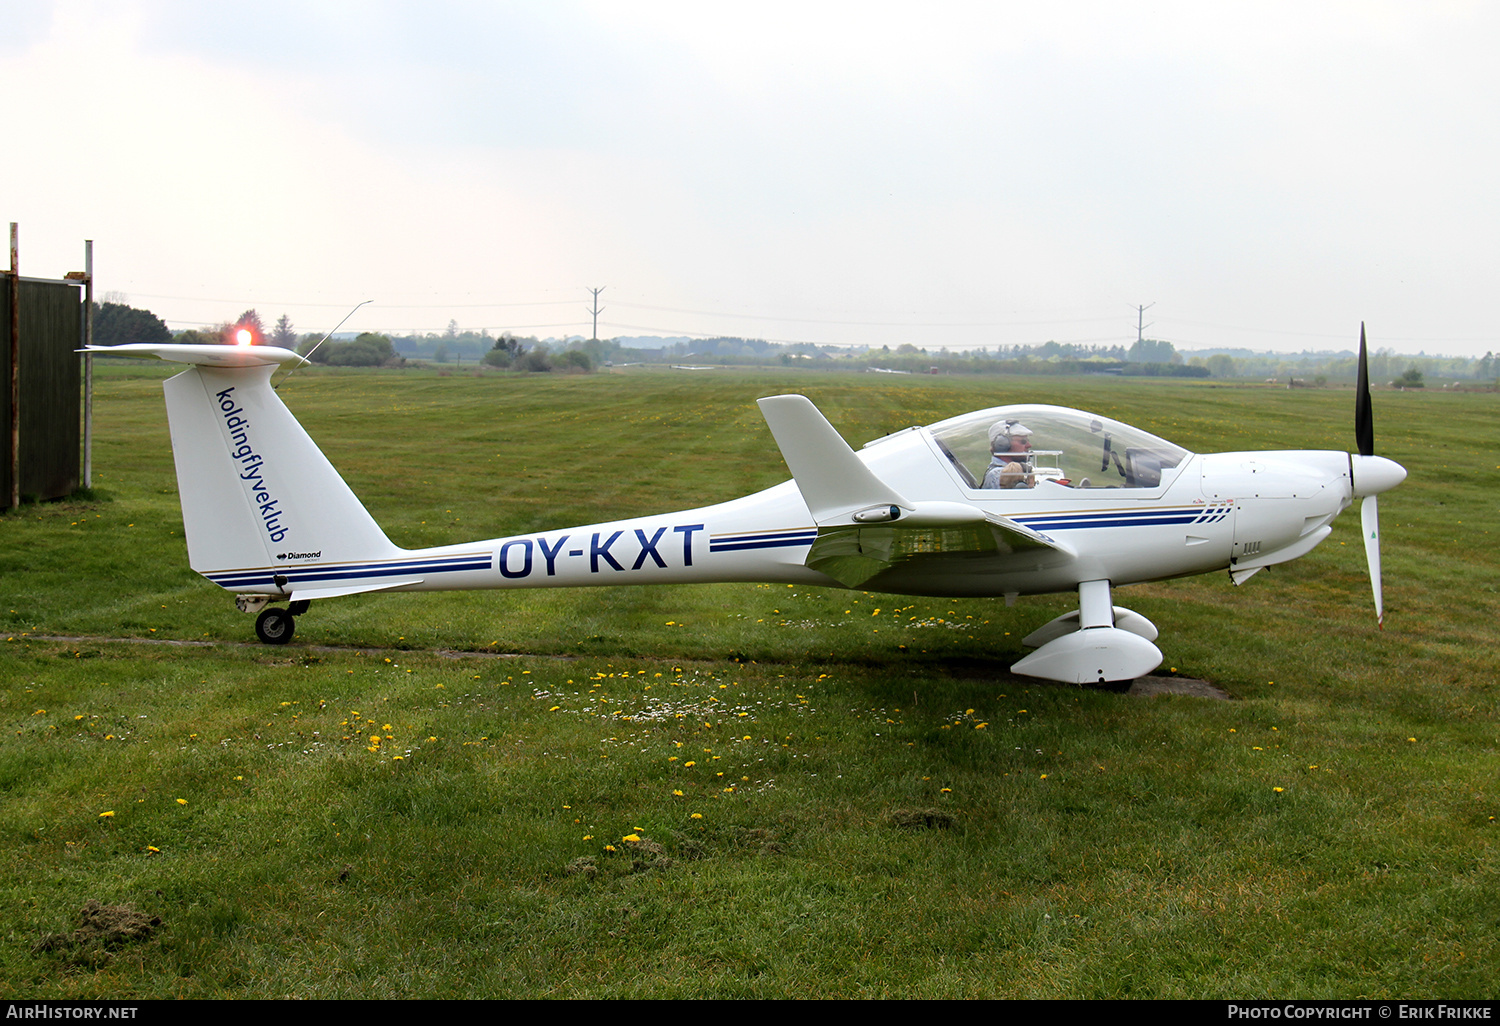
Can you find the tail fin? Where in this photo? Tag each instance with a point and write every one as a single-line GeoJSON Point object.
{"type": "Point", "coordinates": [257, 493]}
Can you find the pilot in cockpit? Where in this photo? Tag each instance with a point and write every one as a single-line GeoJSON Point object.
{"type": "Point", "coordinates": [1010, 456]}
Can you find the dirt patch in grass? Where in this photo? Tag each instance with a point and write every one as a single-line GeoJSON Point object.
{"type": "Point", "coordinates": [920, 819]}
{"type": "Point", "coordinates": [647, 854]}
{"type": "Point", "coordinates": [102, 926]}
{"type": "Point", "coordinates": [583, 866]}
{"type": "Point", "coordinates": [1169, 684]}
{"type": "Point", "coordinates": [1144, 686]}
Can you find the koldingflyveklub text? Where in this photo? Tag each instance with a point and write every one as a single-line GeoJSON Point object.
{"type": "Point", "coordinates": [251, 464]}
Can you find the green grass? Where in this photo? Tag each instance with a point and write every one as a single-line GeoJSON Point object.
{"type": "Point", "coordinates": [1076, 844]}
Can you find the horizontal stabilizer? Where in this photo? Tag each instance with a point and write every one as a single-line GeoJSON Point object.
{"type": "Point", "coordinates": [204, 356]}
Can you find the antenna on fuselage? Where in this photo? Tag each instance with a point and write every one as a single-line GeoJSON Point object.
{"type": "Point", "coordinates": [307, 357]}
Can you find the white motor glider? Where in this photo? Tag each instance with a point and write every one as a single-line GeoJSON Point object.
{"type": "Point", "coordinates": [1016, 500]}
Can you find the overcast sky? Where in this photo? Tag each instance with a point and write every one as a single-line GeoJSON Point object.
{"type": "Point", "coordinates": [1268, 175]}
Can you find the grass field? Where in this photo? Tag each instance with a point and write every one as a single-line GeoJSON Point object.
{"type": "Point", "coordinates": [833, 793]}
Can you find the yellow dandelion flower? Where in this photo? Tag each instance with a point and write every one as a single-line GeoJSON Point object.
{"type": "Point", "coordinates": [631, 837]}
{"type": "Point", "coordinates": [696, 815]}
{"type": "Point", "coordinates": [106, 815]}
{"type": "Point", "coordinates": [182, 801]}
{"type": "Point", "coordinates": [1278, 790]}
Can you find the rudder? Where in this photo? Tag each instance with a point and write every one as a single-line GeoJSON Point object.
{"type": "Point", "coordinates": [257, 493]}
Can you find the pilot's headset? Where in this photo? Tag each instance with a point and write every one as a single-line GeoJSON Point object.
{"type": "Point", "coordinates": [1001, 433]}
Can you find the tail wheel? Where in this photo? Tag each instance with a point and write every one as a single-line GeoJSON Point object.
{"type": "Point", "coordinates": [275, 626]}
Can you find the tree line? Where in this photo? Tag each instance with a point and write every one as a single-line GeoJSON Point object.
{"type": "Point", "coordinates": [117, 323]}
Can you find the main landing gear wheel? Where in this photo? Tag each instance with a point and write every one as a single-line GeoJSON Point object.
{"type": "Point", "coordinates": [275, 626]}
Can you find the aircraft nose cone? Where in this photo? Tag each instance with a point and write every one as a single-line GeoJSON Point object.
{"type": "Point", "coordinates": [1375, 474]}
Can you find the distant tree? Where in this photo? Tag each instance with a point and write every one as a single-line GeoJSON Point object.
{"type": "Point", "coordinates": [305, 344]}
{"type": "Point", "coordinates": [247, 320]}
{"type": "Point", "coordinates": [116, 324]}
{"type": "Point", "coordinates": [283, 335]}
{"type": "Point", "coordinates": [367, 350]}
{"type": "Point", "coordinates": [452, 331]}
{"type": "Point", "coordinates": [1151, 350]}
{"type": "Point", "coordinates": [507, 350]}
{"type": "Point", "coordinates": [537, 360]}
{"type": "Point", "coordinates": [1410, 378]}
{"type": "Point", "coordinates": [440, 354]}
{"type": "Point", "coordinates": [574, 359]}
{"type": "Point", "coordinates": [1487, 367]}
{"type": "Point", "coordinates": [1221, 365]}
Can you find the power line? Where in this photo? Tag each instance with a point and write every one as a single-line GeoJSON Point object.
{"type": "Point", "coordinates": [273, 305]}
{"type": "Point", "coordinates": [867, 324]}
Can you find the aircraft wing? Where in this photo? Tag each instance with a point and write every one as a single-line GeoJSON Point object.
{"type": "Point", "coordinates": [866, 528]}
{"type": "Point", "coordinates": [855, 555]}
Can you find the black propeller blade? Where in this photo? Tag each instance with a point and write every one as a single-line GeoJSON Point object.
{"type": "Point", "coordinates": [1369, 510]}
{"type": "Point", "coordinates": [1364, 419]}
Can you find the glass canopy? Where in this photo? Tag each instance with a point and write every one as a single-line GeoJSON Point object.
{"type": "Point", "coordinates": [1011, 447]}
